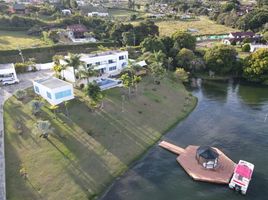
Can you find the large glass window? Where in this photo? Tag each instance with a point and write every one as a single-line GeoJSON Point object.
{"type": "Point", "coordinates": [49, 95]}
{"type": "Point", "coordinates": [112, 68]}
{"type": "Point", "coordinates": [63, 94]}
{"type": "Point", "coordinates": [36, 89]}
{"type": "Point", "coordinates": [121, 57]}
{"type": "Point", "coordinates": [110, 61]}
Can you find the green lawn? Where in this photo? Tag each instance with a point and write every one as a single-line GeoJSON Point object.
{"type": "Point", "coordinates": [123, 13]}
{"type": "Point", "coordinates": [86, 153]}
{"type": "Point", "coordinates": [15, 39]}
{"type": "Point", "coordinates": [204, 26]}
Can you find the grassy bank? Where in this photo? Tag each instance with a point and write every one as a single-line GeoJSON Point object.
{"type": "Point", "coordinates": [86, 153]}
{"type": "Point", "coordinates": [204, 26]}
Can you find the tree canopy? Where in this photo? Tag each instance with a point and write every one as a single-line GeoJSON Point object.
{"type": "Point", "coordinates": [221, 59]}
{"type": "Point", "coordinates": [183, 40]}
{"type": "Point", "coordinates": [256, 66]}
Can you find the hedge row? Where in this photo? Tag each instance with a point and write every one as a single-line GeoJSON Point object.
{"type": "Point", "coordinates": [45, 54]}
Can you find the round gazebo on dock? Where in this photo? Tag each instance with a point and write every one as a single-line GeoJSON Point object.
{"type": "Point", "coordinates": [207, 157]}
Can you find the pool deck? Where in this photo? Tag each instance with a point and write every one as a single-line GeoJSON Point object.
{"type": "Point", "coordinates": [220, 175]}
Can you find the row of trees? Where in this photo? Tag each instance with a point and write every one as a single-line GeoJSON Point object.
{"type": "Point", "coordinates": [178, 51]}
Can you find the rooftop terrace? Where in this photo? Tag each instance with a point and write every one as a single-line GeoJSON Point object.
{"type": "Point", "coordinates": [52, 82]}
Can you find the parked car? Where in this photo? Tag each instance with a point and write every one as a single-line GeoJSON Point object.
{"type": "Point", "coordinates": [10, 81]}
{"type": "Point", "coordinates": [3, 78]}
{"type": "Point", "coordinates": [242, 176]}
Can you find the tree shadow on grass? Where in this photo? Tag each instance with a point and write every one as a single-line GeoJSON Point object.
{"type": "Point", "coordinates": [4, 42]}
{"type": "Point", "coordinates": [120, 138]}
{"type": "Point", "coordinates": [17, 187]}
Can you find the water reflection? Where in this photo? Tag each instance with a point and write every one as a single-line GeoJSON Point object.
{"type": "Point", "coordinates": [229, 116]}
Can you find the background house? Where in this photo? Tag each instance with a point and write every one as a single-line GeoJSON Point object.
{"type": "Point", "coordinates": [18, 8]}
{"type": "Point", "coordinates": [239, 37]}
{"type": "Point", "coordinates": [66, 12]}
{"type": "Point", "coordinates": [76, 31]}
{"type": "Point", "coordinates": [255, 47]}
{"type": "Point", "coordinates": [98, 14]}
{"type": "Point", "coordinates": [54, 90]}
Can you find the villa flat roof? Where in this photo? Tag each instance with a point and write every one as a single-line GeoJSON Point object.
{"type": "Point", "coordinates": [6, 66]}
{"type": "Point", "coordinates": [105, 53]}
{"type": "Point", "coordinates": [52, 83]}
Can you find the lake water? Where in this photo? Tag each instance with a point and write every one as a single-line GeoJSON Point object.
{"type": "Point", "coordinates": [229, 116]}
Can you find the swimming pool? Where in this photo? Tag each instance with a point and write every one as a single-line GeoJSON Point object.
{"type": "Point", "coordinates": [105, 83]}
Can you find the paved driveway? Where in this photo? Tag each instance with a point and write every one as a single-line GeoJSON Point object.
{"type": "Point", "coordinates": [5, 93]}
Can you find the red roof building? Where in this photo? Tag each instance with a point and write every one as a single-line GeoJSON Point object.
{"type": "Point", "coordinates": [77, 30]}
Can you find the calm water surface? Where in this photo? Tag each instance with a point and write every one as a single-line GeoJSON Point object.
{"type": "Point", "coordinates": [229, 116]}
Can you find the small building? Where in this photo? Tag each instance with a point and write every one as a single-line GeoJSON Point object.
{"type": "Point", "coordinates": [254, 47]}
{"type": "Point", "coordinates": [207, 157]}
{"type": "Point", "coordinates": [18, 8]}
{"type": "Point", "coordinates": [98, 14]}
{"type": "Point", "coordinates": [66, 12]}
{"type": "Point", "coordinates": [7, 71]}
{"type": "Point", "coordinates": [76, 31]}
{"type": "Point", "coordinates": [54, 90]}
{"type": "Point", "coordinates": [248, 34]}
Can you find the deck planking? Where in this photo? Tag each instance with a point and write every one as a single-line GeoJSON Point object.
{"type": "Point", "coordinates": [187, 159]}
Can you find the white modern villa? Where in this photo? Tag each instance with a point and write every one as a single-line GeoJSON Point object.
{"type": "Point", "coordinates": [107, 63]}
{"type": "Point", "coordinates": [54, 90]}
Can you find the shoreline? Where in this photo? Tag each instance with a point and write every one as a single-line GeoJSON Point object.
{"type": "Point", "coordinates": [136, 160]}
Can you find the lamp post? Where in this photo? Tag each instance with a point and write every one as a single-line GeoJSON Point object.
{"type": "Point", "coordinates": [21, 55]}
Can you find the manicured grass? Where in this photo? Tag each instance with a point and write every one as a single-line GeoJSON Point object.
{"type": "Point", "coordinates": [204, 26]}
{"type": "Point", "coordinates": [86, 153]}
{"type": "Point", "coordinates": [15, 39]}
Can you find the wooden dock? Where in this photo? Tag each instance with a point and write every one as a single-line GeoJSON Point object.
{"type": "Point", "coordinates": [171, 147]}
{"type": "Point", "coordinates": [187, 159]}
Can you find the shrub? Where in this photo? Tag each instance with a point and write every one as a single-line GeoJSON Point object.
{"type": "Point", "coordinates": [20, 94]}
{"type": "Point", "coordinates": [21, 67]}
{"type": "Point", "coordinates": [246, 47]}
{"type": "Point", "coordinates": [181, 75]}
{"type": "Point", "coordinates": [81, 86]}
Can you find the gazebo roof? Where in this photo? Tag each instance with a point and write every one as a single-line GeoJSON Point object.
{"type": "Point", "coordinates": [207, 152]}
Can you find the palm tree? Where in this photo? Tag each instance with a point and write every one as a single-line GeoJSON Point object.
{"type": "Point", "coordinates": [58, 67]}
{"type": "Point", "coordinates": [94, 92]}
{"type": "Point", "coordinates": [43, 128]}
{"type": "Point", "coordinates": [127, 82]}
{"type": "Point", "coordinates": [73, 60]}
{"type": "Point", "coordinates": [87, 72]}
{"type": "Point", "coordinates": [131, 68]}
{"type": "Point", "coordinates": [36, 106]}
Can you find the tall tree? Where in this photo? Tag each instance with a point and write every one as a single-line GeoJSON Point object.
{"type": "Point", "coordinates": [221, 59]}
{"type": "Point", "coordinates": [36, 106]}
{"type": "Point", "coordinates": [87, 72]}
{"type": "Point", "coordinates": [127, 82]}
{"type": "Point", "coordinates": [157, 70]}
{"type": "Point", "coordinates": [74, 60]}
{"type": "Point", "coordinates": [256, 66]}
{"type": "Point", "coordinates": [94, 92]}
{"type": "Point", "coordinates": [185, 58]}
{"type": "Point", "coordinates": [183, 40]}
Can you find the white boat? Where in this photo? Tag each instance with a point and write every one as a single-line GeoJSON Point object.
{"type": "Point", "coordinates": [242, 176]}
